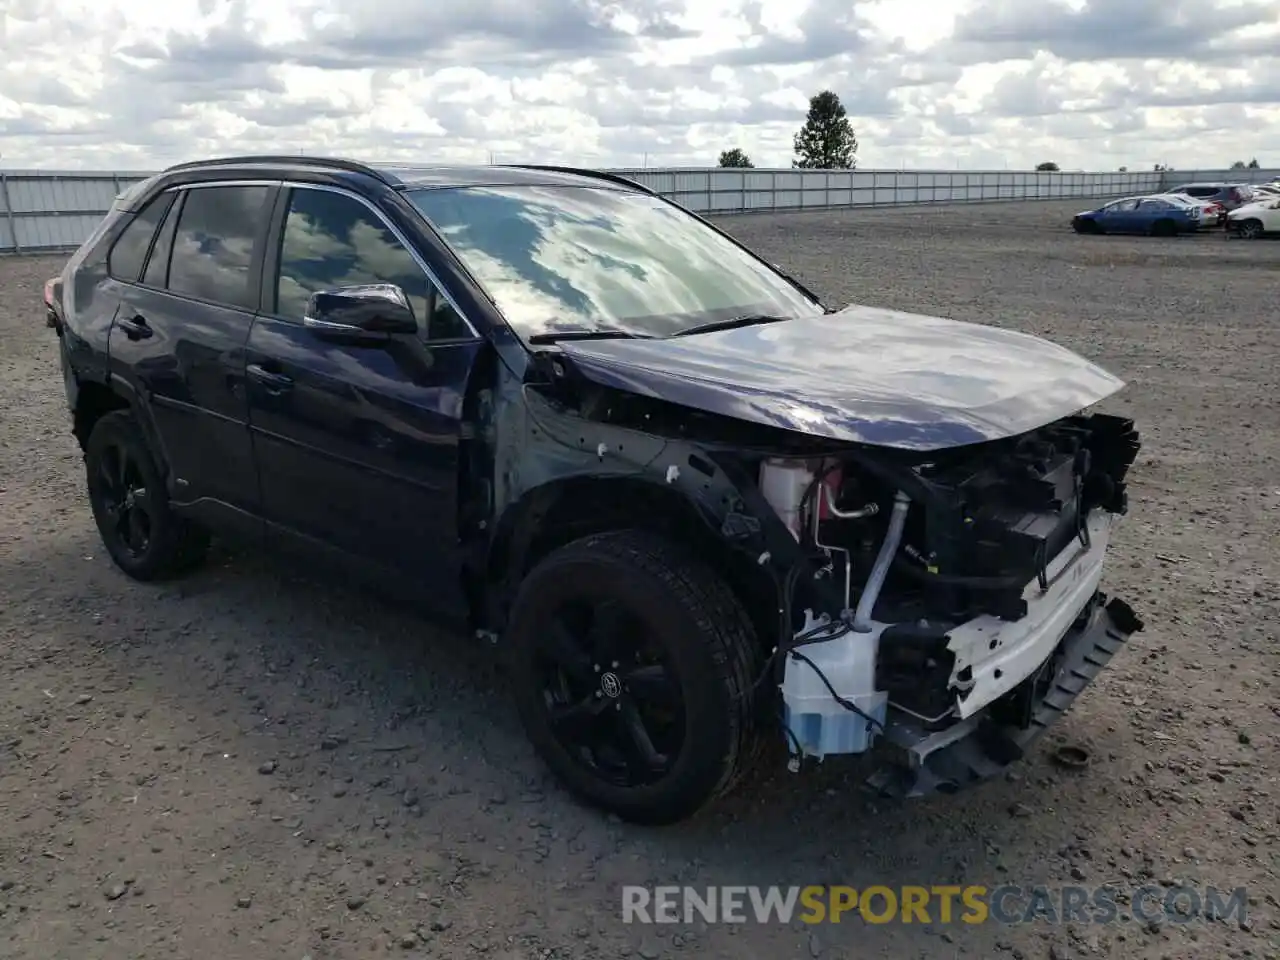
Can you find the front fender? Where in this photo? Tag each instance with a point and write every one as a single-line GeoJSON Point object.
{"type": "Point", "coordinates": [557, 473]}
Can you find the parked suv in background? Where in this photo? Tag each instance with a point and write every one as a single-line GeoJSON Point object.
{"type": "Point", "coordinates": [1229, 195]}
{"type": "Point", "coordinates": [685, 498]}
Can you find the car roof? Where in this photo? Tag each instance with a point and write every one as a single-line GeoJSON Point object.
{"type": "Point", "coordinates": [387, 176]}
{"type": "Point", "coordinates": [483, 175]}
{"type": "Point", "coordinates": [410, 175]}
{"type": "Point", "coordinates": [1140, 196]}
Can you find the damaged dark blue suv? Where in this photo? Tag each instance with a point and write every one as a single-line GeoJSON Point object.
{"type": "Point", "coordinates": [688, 501]}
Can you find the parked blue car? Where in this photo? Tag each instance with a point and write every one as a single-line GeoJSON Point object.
{"type": "Point", "coordinates": [1154, 216]}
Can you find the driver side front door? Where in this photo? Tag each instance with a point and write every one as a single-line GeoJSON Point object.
{"type": "Point", "coordinates": [358, 445]}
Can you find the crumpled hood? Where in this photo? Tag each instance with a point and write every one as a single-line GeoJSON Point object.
{"type": "Point", "coordinates": [863, 374]}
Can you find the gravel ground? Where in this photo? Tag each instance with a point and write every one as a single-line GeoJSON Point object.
{"type": "Point", "coordinates": [257, 764]}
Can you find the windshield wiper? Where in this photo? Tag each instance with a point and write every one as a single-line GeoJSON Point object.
{"type": "Point", "coordinates": [746, 320]}
{"type": "Point", "coordinates": [600, 333]}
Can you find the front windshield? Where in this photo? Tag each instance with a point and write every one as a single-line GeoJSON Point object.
{"type": "Point", "coordinates": [562, 259]}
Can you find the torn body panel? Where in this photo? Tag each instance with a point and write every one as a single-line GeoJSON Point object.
{"type": "Point", "coordinates": [564, 465]}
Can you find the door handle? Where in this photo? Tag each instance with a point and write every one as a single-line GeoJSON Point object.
{"type": "Point", "coordinates": [274, 382]}
{"type": "Point", "coordinates": [135, 327]}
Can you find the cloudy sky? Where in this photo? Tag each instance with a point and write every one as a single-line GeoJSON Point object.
{"type": "Point", "coordinates": [1090, 84]}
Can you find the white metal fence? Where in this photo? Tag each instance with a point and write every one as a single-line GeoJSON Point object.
{"type": "Point", "coordinates": [53, 211]}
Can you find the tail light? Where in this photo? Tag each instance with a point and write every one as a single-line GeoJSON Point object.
{"type": "Point", "coordinates": [51, 309]}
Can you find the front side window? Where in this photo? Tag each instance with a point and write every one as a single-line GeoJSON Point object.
{"type": "Point", "coordinates": [331, 240]}
{"type": "Point", "coordinates": [130, 249]}
{"type": "Point", "coordinates": [569, 258]}
{"type": "Point", "coordinates": [213, 244]}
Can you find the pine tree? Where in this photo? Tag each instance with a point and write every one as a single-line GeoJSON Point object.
{"type": "Point", "coordinates": [826, 141]}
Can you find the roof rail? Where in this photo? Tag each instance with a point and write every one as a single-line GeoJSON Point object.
{"type": "Point", "coordinates": [332, 163]}
{"type": "Point", "coordinates": [581, 172]}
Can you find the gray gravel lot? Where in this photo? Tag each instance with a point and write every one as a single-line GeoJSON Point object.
{"type": "Point", "coordinates": [257, 764]}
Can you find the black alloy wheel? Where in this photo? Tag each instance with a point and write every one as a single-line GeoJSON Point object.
{"type": "Point", "coordinates": [612, 701]}
{"type": "Point", "coordinates": [130, 503]}
{"type": "Point", "coordinates": [121, 491]}
{"type": "Point", "coordinates": [632, 666]}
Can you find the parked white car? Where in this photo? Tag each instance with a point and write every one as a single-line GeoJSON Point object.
{"type": "Point", "coordinates": [1255, 219]}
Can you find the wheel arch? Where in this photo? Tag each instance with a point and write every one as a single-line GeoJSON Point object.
{"type": "Point", "coordinates": [563, 510]}
{"type": "Point", "coordinates": [95, 399]}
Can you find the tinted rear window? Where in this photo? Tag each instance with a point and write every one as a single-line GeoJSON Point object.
{"type": "Point", "coordinates": [213, 245]}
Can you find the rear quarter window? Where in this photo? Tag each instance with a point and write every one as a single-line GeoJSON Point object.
{"type": "Point", "coordinates": [129, 252]}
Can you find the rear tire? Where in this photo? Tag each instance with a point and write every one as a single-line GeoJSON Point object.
{"type": "Point", "coordinates": [142, 534]}
{"type": "Point", "coordinates": [644, 594]}
{"type": "Point", "coordinates": [1164, 228]}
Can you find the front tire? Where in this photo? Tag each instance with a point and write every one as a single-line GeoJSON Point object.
{"type": "Point", "coordinates": [633, 665]}
{"type": "Point", "coordinates": [1249, 230]}
{"type": "Point", "coordinates": [143, 535]}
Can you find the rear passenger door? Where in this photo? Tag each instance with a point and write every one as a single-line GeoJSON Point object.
{"type": "Point", "coordinates": [358, 445]}
{"type": "Point", "coordinates": [179, 337]}
{"type": "Point", "coordinates": [1149, 211]}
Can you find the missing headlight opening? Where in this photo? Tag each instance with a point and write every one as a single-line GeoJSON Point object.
{"type": "Point", "coordinates": [961, 572]}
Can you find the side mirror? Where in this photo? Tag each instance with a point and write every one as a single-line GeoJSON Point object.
{"type": "Point", "coordinates": [375, 310]}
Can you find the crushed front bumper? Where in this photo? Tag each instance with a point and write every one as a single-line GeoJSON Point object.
{"type": "Point", "coordinates": [980, 746]}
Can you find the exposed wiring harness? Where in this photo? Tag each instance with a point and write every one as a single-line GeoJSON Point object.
{"type": "Point", "coordinates": [827, 630]}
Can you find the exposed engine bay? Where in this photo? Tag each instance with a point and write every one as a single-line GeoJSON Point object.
{"type": "Point", "coordinates": [960, 573]}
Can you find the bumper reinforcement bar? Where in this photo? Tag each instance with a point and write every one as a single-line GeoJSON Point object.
{"type": "Point", "coordinates": [977, 749]}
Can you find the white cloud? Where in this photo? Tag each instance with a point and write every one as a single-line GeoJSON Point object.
{"type": "Point", "coordinates": [1091, 84]}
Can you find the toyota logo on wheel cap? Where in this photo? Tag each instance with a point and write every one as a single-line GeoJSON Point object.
{"type": "Point", "coordinates": [610, 685]}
